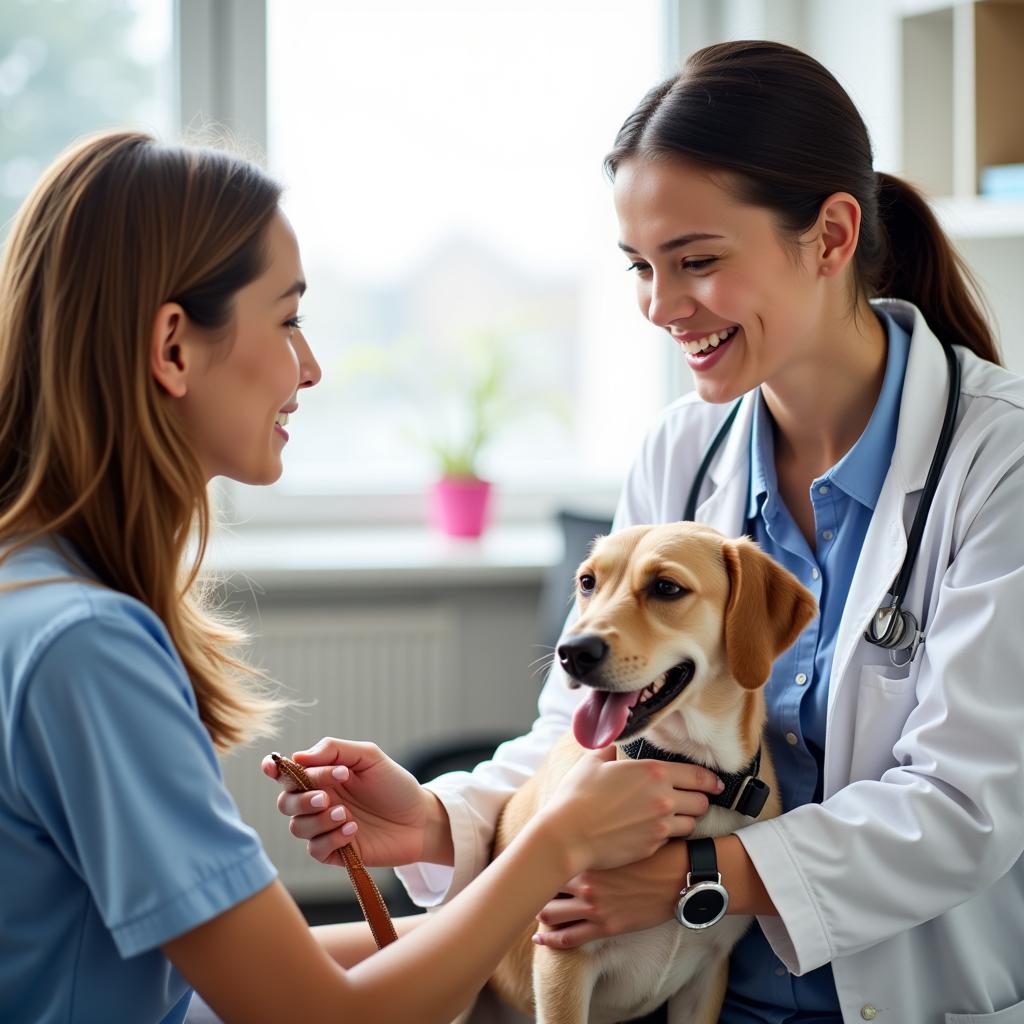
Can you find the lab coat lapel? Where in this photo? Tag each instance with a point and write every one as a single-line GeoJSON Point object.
{"type": "Point", "coordinates": [885, 544]}
{"type": "Point", "coordinates": [725, 507]}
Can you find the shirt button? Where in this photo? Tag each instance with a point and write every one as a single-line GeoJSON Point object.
{"type": "Point", "coordinates": [781, 972]}
{"type": "Point", "coordinates": [823, 489]}
{"type": "Point", "coordinates": [791, 739]}
{"type": "Point", "coordinates": [827, 534]}
{"type": "Point", "coordinates": [800, 679]}
{"type": "Point", "coordinates": [868, 1012]}
{"type": "Point", "coordinates": [815, 574]}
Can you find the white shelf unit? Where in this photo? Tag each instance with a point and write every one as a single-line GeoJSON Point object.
{"type": "Point", "coordinates": [962, 78]}
{"type": "Point", "coordinates": [963, 83]}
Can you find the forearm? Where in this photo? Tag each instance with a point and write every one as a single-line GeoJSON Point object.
{"type": "Point", "coordinates": [351, 943]}
{"type": "Point", "coordinates": [481, 923]}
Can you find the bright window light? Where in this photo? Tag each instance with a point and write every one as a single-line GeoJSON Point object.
{"type": "Point", "coordinates": [70, 67]}
{"type": "Point", "coordinates": [443, 167]}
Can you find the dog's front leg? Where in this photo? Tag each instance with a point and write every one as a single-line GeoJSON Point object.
{"type": "Point", "coordinates": [563, 982]}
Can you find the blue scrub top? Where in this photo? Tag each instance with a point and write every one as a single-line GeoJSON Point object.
{"type": "Point", "coordinates": [116, 830]}
{"type": "Point", "coordinates": [761, 989]}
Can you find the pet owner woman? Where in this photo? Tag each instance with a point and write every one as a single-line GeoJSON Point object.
{"type": "Point", "coordinates": [790, 273]}
{"type": "Point", "coordinates": [149, 341]}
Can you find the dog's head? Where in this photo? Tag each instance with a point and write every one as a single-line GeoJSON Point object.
{"type": "Point", "coordinates": [675, 620]}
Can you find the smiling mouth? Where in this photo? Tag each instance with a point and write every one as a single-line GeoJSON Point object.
{"type": "Point", "coordinates": [658, 695]}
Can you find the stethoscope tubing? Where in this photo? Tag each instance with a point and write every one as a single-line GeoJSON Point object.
{"type": "Point", "coordinates": [897, 630]}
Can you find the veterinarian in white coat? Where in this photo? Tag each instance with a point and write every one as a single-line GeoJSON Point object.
{"type": "Point", "coordinates": [753, 216]}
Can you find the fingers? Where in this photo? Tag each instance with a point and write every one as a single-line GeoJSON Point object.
{"type": "Point", "coordinates": [291, 803]}
{"type": "Point", "coordinates": [569, 937]}
{"type": "Point", "coordinates": [692, 776]}
{"type": "Point", "coordinates": [330, 751]}
{"type": "Point", "coordinates": [310, 824]}
{"type": "Point", "coordinates": [688, 801]}
{"type": "Point", "coordinates": [681, 826]}
{"type": "Point", "coordinates": [324, 848]}
{"type": "Point", "coordinates": [564, 911]}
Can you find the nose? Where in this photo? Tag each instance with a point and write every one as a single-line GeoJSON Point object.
{"type": "Point", "coordinates": [668, 301]}
{"type": "Point", "coordinates": [309, 368]}
{"type": "Point", "coordinates": [580, 655]}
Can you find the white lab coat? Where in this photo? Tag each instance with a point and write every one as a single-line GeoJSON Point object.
{"type": "Point", "coordinates": [909, 875]}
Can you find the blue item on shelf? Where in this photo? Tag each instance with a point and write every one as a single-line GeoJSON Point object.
{"type": "Point", "coordinates": [1003, 180]}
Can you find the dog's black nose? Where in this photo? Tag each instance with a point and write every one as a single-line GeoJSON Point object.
{"type": "Point", "coordinates": [580, 655]}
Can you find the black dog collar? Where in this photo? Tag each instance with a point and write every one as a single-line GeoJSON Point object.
{"type": "Point", "coordinates": [744, 791]}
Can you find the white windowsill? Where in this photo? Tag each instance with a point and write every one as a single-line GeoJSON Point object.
{"type": "Point", "coordinates": [386, 557]}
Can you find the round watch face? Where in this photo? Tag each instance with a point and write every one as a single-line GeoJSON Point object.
{"type": "Point", "coordinates": [703, 905]}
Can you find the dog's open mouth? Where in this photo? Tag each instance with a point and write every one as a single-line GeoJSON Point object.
{"type": "Point", "coordinates": [604, 717]}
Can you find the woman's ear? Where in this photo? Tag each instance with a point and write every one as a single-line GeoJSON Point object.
{"type": "Point", "coordinates": [838, 228]}
{"type": "Point", "coordinates": [168, 353]}
{"type": "Point", "coordinates": [767, 610]}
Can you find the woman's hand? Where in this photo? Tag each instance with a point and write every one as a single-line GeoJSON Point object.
{"type": "Point", "coordinates": [612, 812]}
{"type": "Point", "coordinates": [360, 792]}
{"type": "Point", "coordinates": [598, 904]}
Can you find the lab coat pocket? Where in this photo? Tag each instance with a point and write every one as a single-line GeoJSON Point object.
{"type": "Point", "coordinates": [885, 698]}
{"type": "Point", "coordinates": [1010, 1015]}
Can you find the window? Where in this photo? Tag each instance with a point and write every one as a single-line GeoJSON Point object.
{"type": "Point", "coordinates": [69, 67]}
{"type": "Point", "coordinates": [443, 172]}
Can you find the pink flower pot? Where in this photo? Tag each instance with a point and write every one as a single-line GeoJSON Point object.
{"type": "Point", "coordinates": [458, 506]}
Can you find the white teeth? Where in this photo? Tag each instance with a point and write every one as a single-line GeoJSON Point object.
{"type": "Point", "coordinates": [657, 685]}
{"type": "Point", "coordinates": [281, 419]}
{"type": "Point", "coordinates": [645, 695]}
{"type": "Point", "coordinates": [711, 341]}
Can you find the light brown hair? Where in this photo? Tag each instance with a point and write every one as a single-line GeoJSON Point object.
{"type": "Point", "coordinates": [90, 447]}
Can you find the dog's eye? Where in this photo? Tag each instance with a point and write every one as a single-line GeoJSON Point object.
{"type": "Point", "coordinates": [586, 583]}
{"type": "Point", "coordinates": [668, 588]}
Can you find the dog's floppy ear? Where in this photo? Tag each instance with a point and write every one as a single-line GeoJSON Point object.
{"type": "Point", "coordinates": [767, 610]}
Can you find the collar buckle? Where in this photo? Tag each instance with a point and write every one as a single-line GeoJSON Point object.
{"type": "Point", "coordinates": [752, 797]}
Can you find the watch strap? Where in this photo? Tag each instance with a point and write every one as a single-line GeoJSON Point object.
{"type": "Point", "coordinates": [703, 861]}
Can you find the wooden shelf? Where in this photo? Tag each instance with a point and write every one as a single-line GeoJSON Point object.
{"type": "Point", "coordinates": [963, 83]}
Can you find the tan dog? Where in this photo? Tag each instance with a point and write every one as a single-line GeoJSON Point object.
{"type": "Point", "coordinates": [677, 632]}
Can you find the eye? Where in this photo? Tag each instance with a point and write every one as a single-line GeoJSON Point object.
{"type": "Point", "coordinates": [293, 323]}
{"type": "Point", "coordinates": [701, 264]}
{"type": "Point", "coordinates": [639, 266]}
{"type": "Point", "coordinates": [587, 583]}
{"type": "Point", "coordinates": [668, 589]}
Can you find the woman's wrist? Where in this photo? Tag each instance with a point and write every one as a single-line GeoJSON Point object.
{"type": "Point", "coordinates": [557, 850]}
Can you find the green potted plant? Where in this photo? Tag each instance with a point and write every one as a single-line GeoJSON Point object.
{"type": "Point", "coordinates": [478, 408]}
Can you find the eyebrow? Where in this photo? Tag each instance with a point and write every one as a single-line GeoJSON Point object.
{"type": "Point", "coordinates": [299, 288]}
{"type": "Point", "coordinates": [674, 243]}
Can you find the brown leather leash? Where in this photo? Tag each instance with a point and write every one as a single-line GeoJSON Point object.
{"type": "Point", "coordinates": [371, 902]}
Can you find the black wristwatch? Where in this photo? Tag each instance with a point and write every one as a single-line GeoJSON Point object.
{"type": "Point", "coordinates": [704, 900]}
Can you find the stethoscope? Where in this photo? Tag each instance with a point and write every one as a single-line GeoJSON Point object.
{"type": "Point", "coordinates": [892, 628]}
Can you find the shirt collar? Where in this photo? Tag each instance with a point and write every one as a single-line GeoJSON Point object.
{"type": "Point", "coordinates": [861, 472]}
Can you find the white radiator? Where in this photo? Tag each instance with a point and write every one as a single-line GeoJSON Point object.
{"type": "Point", "coordinates": [387, 675]}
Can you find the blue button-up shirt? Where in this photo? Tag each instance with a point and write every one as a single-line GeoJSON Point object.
{"type": "Point", "coordinates": [761, 990]}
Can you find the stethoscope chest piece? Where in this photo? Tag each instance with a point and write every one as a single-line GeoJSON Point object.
{"type": "Point", "coordinates": [897, 631]}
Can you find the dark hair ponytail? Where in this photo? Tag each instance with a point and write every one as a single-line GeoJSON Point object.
{"type": "Point", "coordinates": [790, 136]}
{"type": "Point", "coordinates": [921, 265]}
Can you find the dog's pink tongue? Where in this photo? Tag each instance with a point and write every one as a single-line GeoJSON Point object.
{"type": "Point", "coordinates": [600, 719]}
